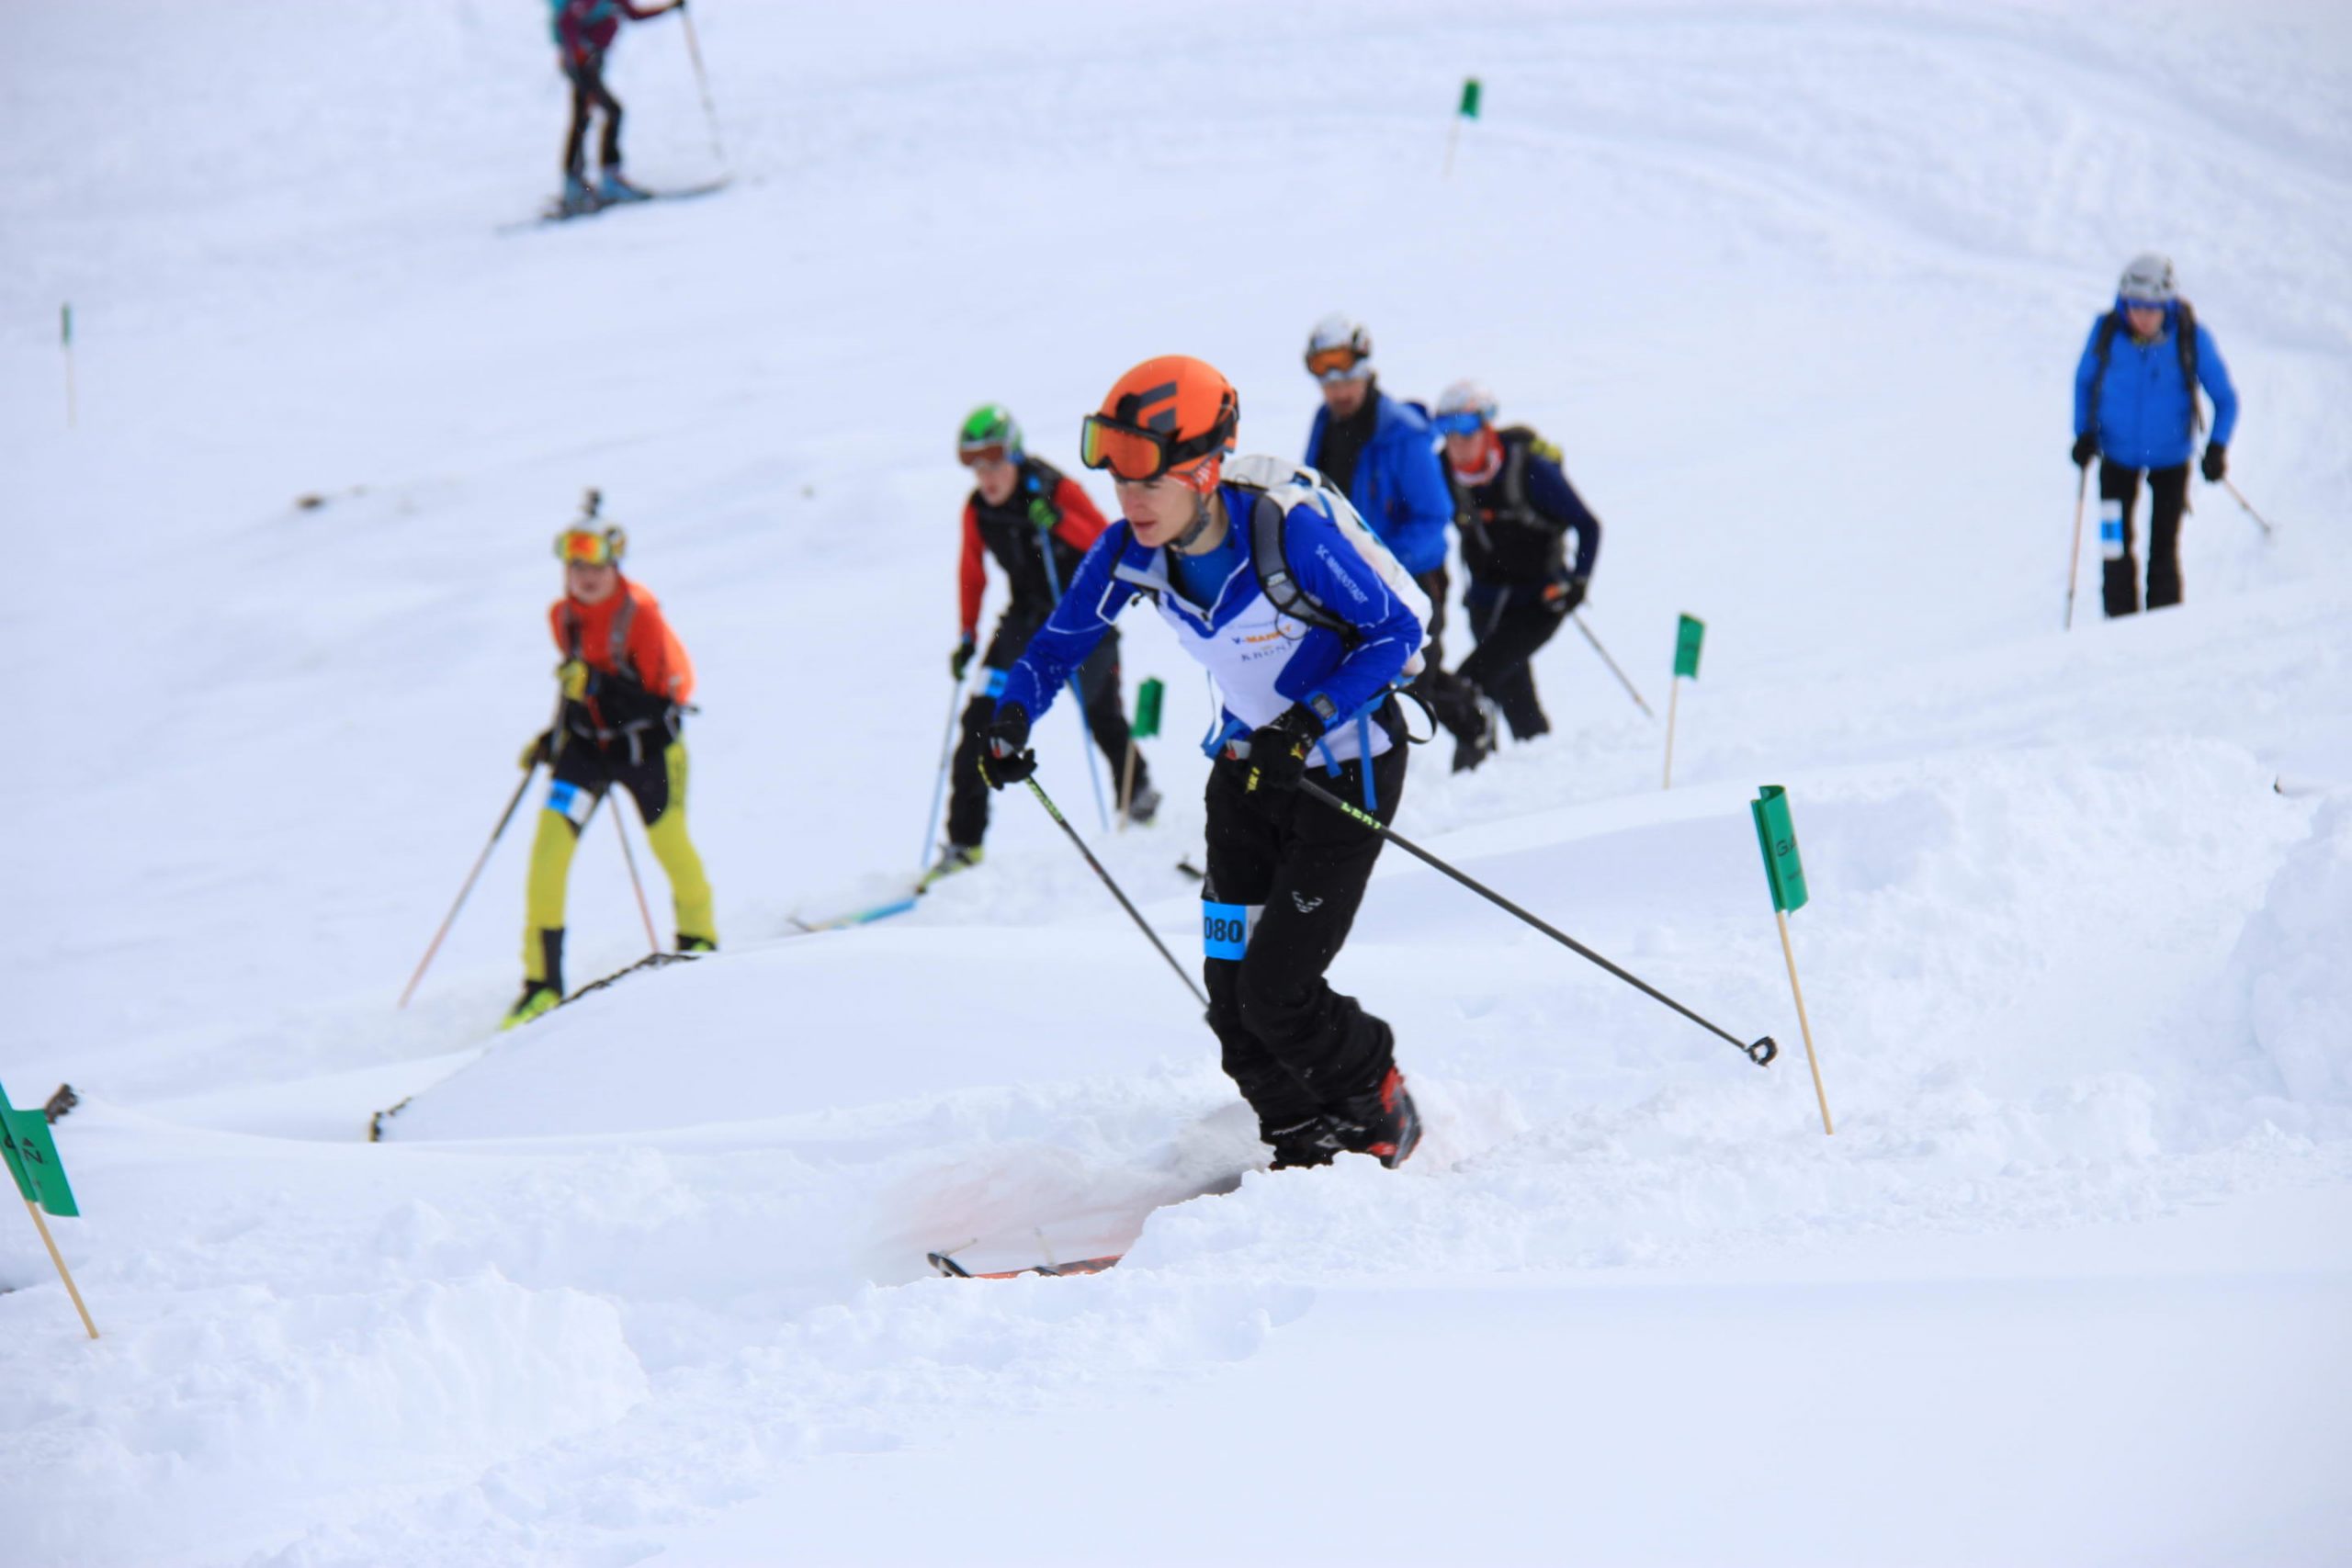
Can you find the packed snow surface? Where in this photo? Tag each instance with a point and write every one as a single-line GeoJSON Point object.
{"type": "Point", "coordinates": [1798, 287]}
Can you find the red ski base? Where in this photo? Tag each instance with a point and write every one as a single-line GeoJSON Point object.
{"type": "Point", "coordinates": [956, 1270]}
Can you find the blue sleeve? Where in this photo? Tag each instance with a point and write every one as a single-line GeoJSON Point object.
{"type": "Point", "coordinates": [1421, 489]}
{"type": "Point", "coordinates": [2086, 372]}
{"type": "Point", "coordinates": [1328, 568]}
{"type": "Point", "coordinates": [2215, 377]}
{"type": "Point", "coordinates": [1549, 491]}
{"type": "Point", "coordinates": [1086, 611]}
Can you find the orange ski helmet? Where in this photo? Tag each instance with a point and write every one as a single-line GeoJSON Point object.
{"type": "Point", "coordinates": [1173, 414]}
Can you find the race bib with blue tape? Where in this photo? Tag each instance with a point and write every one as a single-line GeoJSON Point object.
{"type": "Point", "coordinates": [571, 801]}
{"type": "Point", "coordinates": [1226, 928]}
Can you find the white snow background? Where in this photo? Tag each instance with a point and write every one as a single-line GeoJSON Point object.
{"type": "Point", "coordinates": [1798, 287]}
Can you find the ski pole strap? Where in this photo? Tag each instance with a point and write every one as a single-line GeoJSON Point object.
{"type": "Point", "coordinates": [1761, 1053]}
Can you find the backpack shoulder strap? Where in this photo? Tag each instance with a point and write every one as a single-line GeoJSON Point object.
{"type": "Point", "coordinates": [1270, 558]}
{"type": "Point", "coordinates": [2185, 328]}
{"type": "Point", "coordinates": [2102, 345]}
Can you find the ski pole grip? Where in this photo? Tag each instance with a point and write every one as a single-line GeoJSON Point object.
{"type": "Point", "coordinates": [1762, 1051]}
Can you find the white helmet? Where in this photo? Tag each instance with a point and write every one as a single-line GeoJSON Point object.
{"type": "Point", "coordinates": [1338, 349]}
{"type": "Point", "coordinates": [1464, 405]}
{"type": "Point", "coordinates": [2147, 281]}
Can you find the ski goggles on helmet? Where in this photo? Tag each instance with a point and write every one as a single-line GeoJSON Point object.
{"type": "Point", "coordinates": [1135, 454]}
{"type": "Point", "coordinates": [986, 453]}
{"type": "Point", "coordinates": [1462, 421]}
{"type": "Point", "coordinates": [591, 546]}
{"type": "Point", "coordinates": [1337, 363]}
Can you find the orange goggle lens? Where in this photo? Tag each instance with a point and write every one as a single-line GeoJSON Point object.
{"type": "Point", "coordinates": [1127, 452]}
{"type": "Point", "coordinates": [587, 547]}
{"type": "Point", "coordinates": [1333, 364]}
{"type": "Point", "coordinates": [973, 456]}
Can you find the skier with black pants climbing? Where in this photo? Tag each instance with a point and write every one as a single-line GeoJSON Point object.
{"type": "Point", "coordinates": [1307, 624]}
{"type": "Point", "coordinates": [2136, 410]}
{"type": "Point", "coordinates": [1515, 509]}
{"type": "Point", "coordinates": [1038, 522]}
{"type": "Point", "coordinates": [585, 30]}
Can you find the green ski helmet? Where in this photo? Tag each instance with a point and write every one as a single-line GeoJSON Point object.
{"type": "Point", "coordinates": [991, 435]}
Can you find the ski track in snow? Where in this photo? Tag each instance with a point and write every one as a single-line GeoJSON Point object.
{"type": "Point", "coordinates": [1799, 286]}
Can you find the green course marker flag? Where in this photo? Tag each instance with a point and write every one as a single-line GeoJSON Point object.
{"type": "Point", "coordinates": [1778, 840]}
{"type": "Point", "coordinates": [1777, 837]}
{"type": "Point", "coordinates": [32, 1159]}
{"type": "Point", "coordinates": [1687, 639]}
{"type": "Point", "coordinates": [1147, 724]}
{"type": "Point", "coordinates": [1688, 636]}
{"type": "Point", "coordinates": [1467, 110]}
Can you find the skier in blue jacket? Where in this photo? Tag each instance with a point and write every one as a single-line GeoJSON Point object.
{"type": "Point", "coordinates": [1306, 653]}
{"type": "Point", "coordinates": [2135, 409]}
{"type": "Point", "coordinates": [1381, 454]}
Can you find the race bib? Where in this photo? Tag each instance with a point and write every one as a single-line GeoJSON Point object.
{"type": "Point", "coordinates": [1226, 928]}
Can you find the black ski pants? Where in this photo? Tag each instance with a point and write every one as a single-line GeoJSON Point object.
{"type": "Point", "coordinates": [1286, 876]}
{"type": "Point", "coordinates": [590, 94]}
{"type": "Point", "coordinates": [1107, 720]}
{"type": "Point", "coordinates": [1511, 623]}
{"type": "Point", "coordinates": [2118, 493]}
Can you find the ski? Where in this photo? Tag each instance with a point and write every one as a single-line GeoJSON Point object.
{"type": "Point", "coordinates": [955, 1270]}
{"type": "Point", "coordinates": [855, 917]}
{"type": "Point", "coordinates": [555, 213]}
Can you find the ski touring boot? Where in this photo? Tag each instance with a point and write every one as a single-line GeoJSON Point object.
{"type": "Point", "coordinates": [1383, 1122]}
{"type": "Point", "coordinates": [694, 946]}
{"type": "Point", "coordinates": [1313, 1142]}
{"type": "Point", "coordinates": [577, 201]}
{"type": "Point", "coordinates": [612, 185]}
{"type": "Point", "coordinates": [538, 998]}
{"type": "Point", "coordinates": [1143, 806]}
{"type": "Point", "coordinates": [953, 859]}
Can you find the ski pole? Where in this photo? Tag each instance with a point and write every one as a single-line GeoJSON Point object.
{"type": "Point", "coordinates": [1622, 680]}
{"type": "Point", "coordinates": [1761, 1053]}
{"type": "Point", "coordinates": [1063, 822]}
{"type": "Point", "coordinates": [938, 786]}
{"type": "Point", "coordinates": [1077, 692]}
{"type": "Point", "coordinates": [2074, 556]}
{"type": "Point", "coordinates": [2267, 530]}
{"type": "Point", "coordinates": [652, 941]}
{"type": "Point", "coordinates": [702, 80]}
{"type": "Point", "coordinates": [480, 861]}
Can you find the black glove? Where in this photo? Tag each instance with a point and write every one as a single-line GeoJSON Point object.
{"type": "Point", "coordinates": [2217, 462]}
{"type": "Point", "coordinates": [1562, 598]}
{"type": "Point", "coordinates": [1278, 751]}
{"type": "Point", "coordinates": [1004, 757]}
{"type": "Point", "coordinates": [2086, 448]}
{"type": "Point", "coordinates": [541, 749]}
{"type": "Point", "coordinates": [961, 659]}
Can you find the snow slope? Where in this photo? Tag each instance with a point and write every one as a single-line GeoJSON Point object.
{"type": "Point", "coordinates": [1798, 286]}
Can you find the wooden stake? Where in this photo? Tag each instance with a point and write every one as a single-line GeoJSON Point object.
{"type": "Point", "coordinates": [1673, 695]}
{"type": "Point", "coordinates": [62, 1272]}
{"type": "Point", "coordinates": [1127, 783]}
{"type": "Point", "coordinates": [1798, 991]}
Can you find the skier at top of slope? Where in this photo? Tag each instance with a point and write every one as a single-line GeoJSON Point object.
{"type": "Point", "coordinates": [584, 32]}
{"type": "Point", "coordinates": [1307, 685]}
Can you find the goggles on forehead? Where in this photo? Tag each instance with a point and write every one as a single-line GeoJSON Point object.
{"type": "Point", "coordinates": [991, 452]}
{"type": "Point", "coordinates": [591, 546]}
{"type": "Point", "coordinates": [1464, 422]}
{"type": "Point", "coordinates": [2132, 304]}
{"type": "Point", "coordinates": [1337, 363]}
